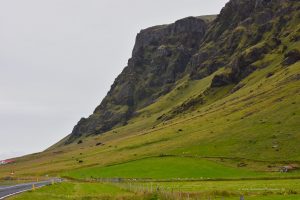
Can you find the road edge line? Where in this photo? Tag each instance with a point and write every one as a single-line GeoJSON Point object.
{"type": "Point", "coordinates": [9, 195]}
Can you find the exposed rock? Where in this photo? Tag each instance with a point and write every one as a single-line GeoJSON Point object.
{"type": "Point", "coordinates": [242, 164]}
{"type": "Point", "coordinates": [264, 16]}
{"type": "Point", "coordinates": [163, 51]}
{"type": "Point", "coordinates": [163, 34]}
{"type": "Point", "coordinates": [291, 57]}
{"type": "Point", "coordinates": [241, 34]}
{"type": "Point", "coordinates": [222, 80]}
{"type": "Point", "coordinates": [159, 58]}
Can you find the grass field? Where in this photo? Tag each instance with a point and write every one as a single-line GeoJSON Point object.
{"type": "Point", "coordinates": [72, 190]}
{"type": "Point", "coordinates": [255, 189]}
{"type": "Point", "coordinates": [165, 168]}
{"type": "Point", "coordinates": [231, 190]}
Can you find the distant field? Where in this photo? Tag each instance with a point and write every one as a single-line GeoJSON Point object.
{"type": "Point", "coordinates": [19, 181]}
{"type": "Point", "coordinates": [5, 183]}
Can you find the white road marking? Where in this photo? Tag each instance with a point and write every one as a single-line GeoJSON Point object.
{"type": "Point", "coordinates": [18, 192]}
{"type": "Point", "coordinates": [24, 184]}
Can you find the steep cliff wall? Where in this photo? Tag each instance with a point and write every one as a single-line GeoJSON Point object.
{"type": "Point", "coordinates": [242, 34]}
{"type": "Point", "coordinates": [159, 58]}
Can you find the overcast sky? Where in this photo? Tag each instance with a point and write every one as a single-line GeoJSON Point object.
{"type": "Point", "coordinates": [58, 59]}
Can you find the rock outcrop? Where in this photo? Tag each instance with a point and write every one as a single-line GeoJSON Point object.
{"type": "Point", "coordinates": [159, 58]}
{"type": "Point", "coordinates": [243, 33]}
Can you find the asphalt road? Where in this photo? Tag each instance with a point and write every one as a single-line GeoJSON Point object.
{"type": "Point", "coordinates": [7, 191]}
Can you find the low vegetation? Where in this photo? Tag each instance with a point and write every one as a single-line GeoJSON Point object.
{"type": "Point", "coordinates": [214, 190]}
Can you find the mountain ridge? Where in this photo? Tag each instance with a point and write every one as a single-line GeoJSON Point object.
{"type": "Point", "coordinates": [236, 40]}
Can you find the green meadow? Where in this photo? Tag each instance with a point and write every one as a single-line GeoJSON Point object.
{"type": "Point", "coordinates": [73, 190]}
{"type": "Point", "coordinates": [214, 190]}
{"type": "Point", "coordinates": [165, 168]}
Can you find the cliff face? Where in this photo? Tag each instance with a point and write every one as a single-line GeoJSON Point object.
{"type": "Point", "coordinates": [241, 35]}
{"type": "Point", "coordinates": [159, 59]}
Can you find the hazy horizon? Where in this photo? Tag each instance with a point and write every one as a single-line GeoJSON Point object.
{"type": "Point", "coordinates": [59, 58]}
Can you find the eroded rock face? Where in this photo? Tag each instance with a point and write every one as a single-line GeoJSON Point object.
{"type": "Point", "coordinates": [163, 34]}
{"type": "Point", "coordinates": [291, 57]}
{"type": "Point", "coordinates": [222, 80]}
{"type": "Point", "coordinates": [159, 58]}
{"type": "Point", "coordinates": [192, 47]}
{"type": "Point", "coordinates": [188, 25]}
{"type": "Point", "coordinates": [240, 67]}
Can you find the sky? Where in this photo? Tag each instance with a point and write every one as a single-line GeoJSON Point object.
{"type": "Point", "coordinates": [58, 59]}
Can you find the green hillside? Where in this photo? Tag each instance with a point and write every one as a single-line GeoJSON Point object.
{"type": "Point", "coordinates": [180, 167]}
{"type": "Point", "coordinates": [208, 103]}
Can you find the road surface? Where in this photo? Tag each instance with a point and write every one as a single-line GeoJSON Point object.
{"type": "Point", "coordinates": [7, 191]}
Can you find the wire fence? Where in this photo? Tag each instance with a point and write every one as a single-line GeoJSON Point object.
{"type": "Point", "coordinates": [177, 189]}
{"type": "Point", "coordinates": [173, 192]}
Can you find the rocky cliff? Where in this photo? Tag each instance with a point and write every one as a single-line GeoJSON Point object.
{"type": "Point", "coordinates": [192, 47]}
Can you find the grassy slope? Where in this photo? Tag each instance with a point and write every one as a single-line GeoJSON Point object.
{"type": "Point", "coordinates": [245, 124]}
{"type": "Point", "coordinates": [257, 125]}
{"type": "Point", "coordinates": [260, 118]}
